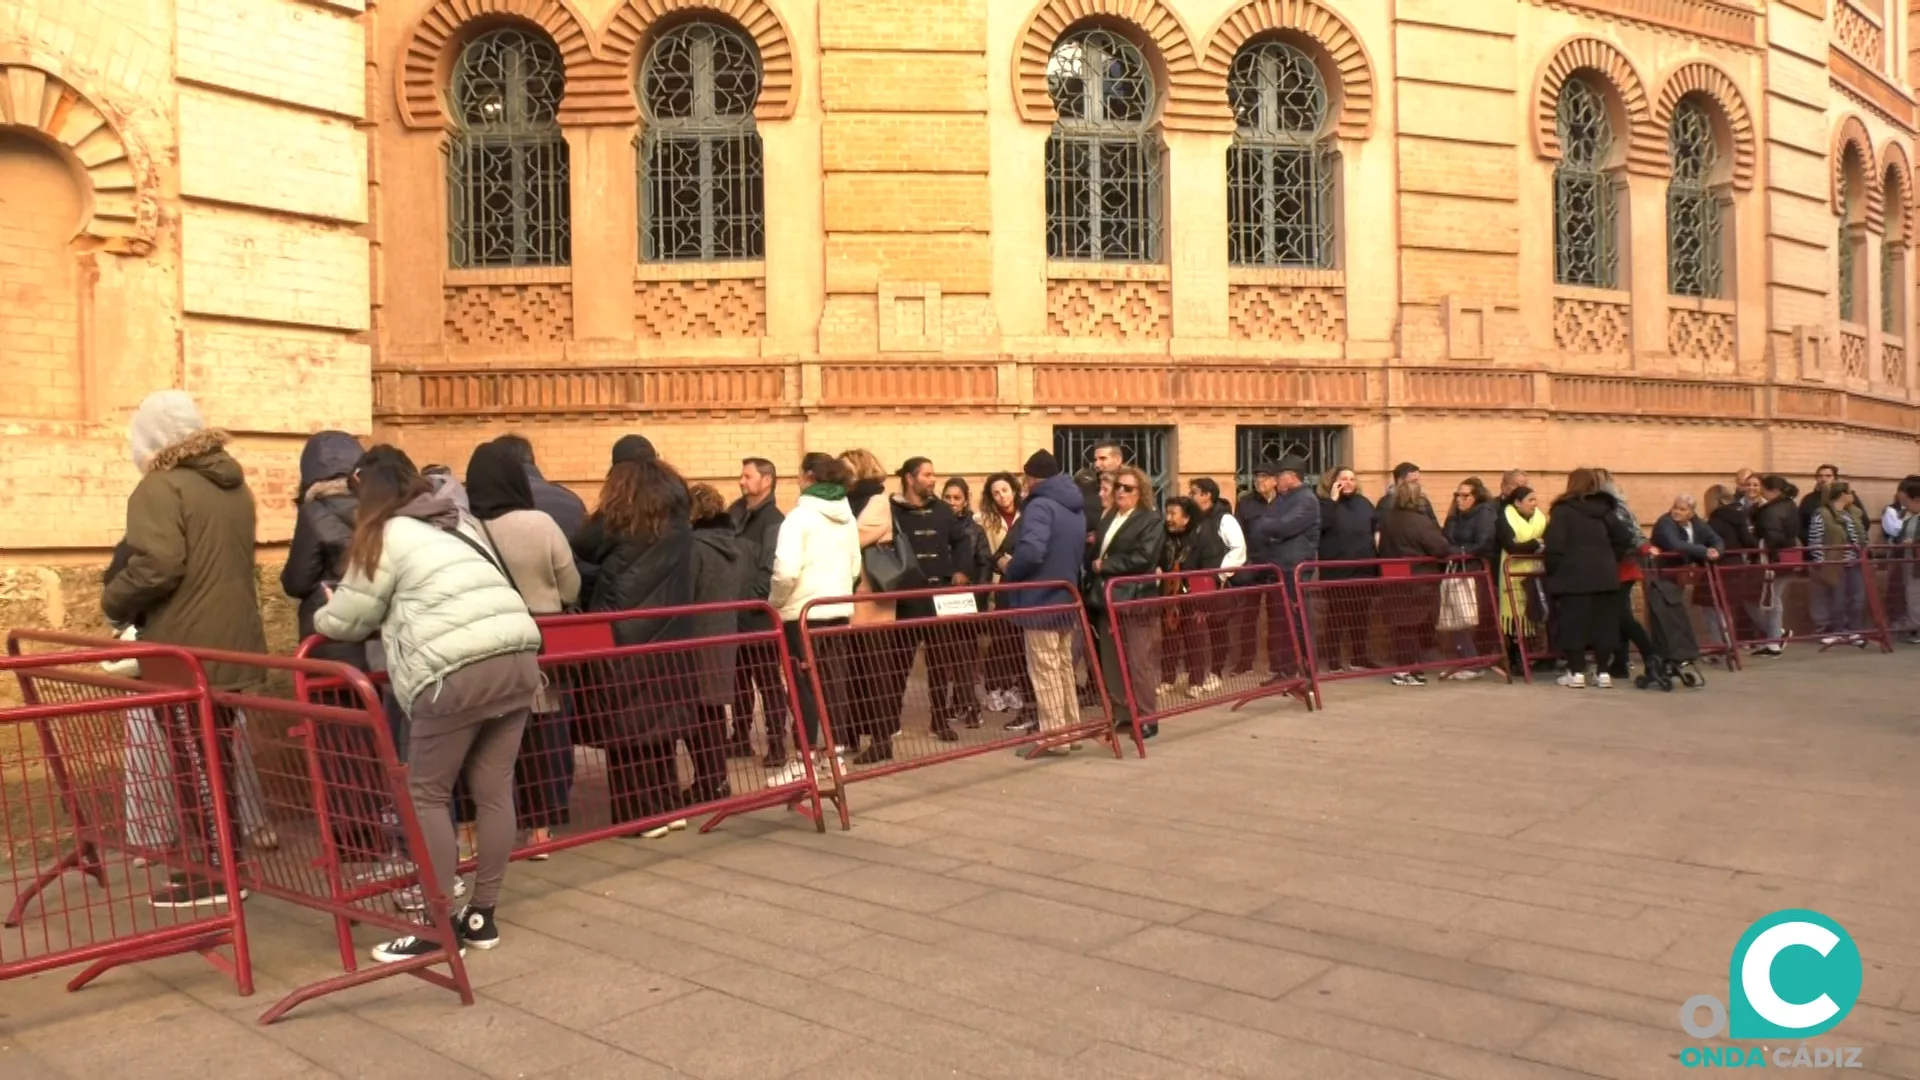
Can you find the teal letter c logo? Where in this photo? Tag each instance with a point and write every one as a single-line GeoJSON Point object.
{"type": "Point", "coordinates": [1794, 974]}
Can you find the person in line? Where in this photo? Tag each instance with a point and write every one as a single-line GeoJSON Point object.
{"type": "Point", "coordinates": [817, 556]}
{"type": "Point", "coordinates": [1185, 632]}
{"type": "Point", "coordinates": [963, 701]}
{"type": "Point", "coordinates": [1251, 615]}
{"type": "Point", "coordinates": [1632, 630]}
{"type": "Point", "coordinates": [870, 668]}
{"type": "Point", "coordinates": [725, 565]}
{"type": "Point", "coordinates": [1217, 522]}
{"type": "Point", "coordinates": [322, 528]}
{"type": "Point", "coordinates": [1048, 547]}
{"type": "Point", "coordinates": [756, 518]}
{"type": "Point", "coordinates": [1008, 684]}
{"type": "Point", "coordinates": [1776, 525]}
{"type": "Point", "coordinates": [1893, 521]}
{"type": "Point", "coordinates": [1907, 565]}
{"type": "Point", "coordinates": [1346, 535]}
{"type": "Point", "coordinates": [1286, 535]}
{"type": "Point", "coordinates": [1408, 531]}
{"type": "Point", "coordinates": [1521, 529]}
{"type": "Point", "coordinates": [1130, 539]}
{"type": "Point", "coordinates": [1834, 539]}
{"type": "Point", "coordinates": [641, 538]}
{"type": "Point", "coordinates": [1109, 458]}
{"type": "Point", "coordinates": [538, 562]}
{"type": "Point", "coordinates": [1511, 481]}
{"type": "Point", "coordinates": [462, 653]}
{"type": "Point", "coordinates": [1731, 519]}
{"type": "Point", "coordinates": [1809, 506]}
{"type": "Point", "coordinates": [944, 550]}
{"type": "Point", "coordinates": [1405, 472]}
{"type": "Point", "coordinates": [1681, 531]}
{"type": "Point", "coordinates": [1746, 488]}
{"type": "Point", "coordinates": [1473, 535]}
{"type": "Point", "coordinates": [566, 509]}
{"type": "Point", "coordinates": [189, 580]}
{"type": "Point", "coordinates": [1586, 539]}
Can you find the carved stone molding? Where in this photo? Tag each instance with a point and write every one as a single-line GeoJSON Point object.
{"type": "Point", "coordinates": [448, 24]}
{"type": "Point", "coordinates": [1107, 386]}
{"type": "Point", "coordinates": [1704, 337]}
{"type": "Point", "coordinates": [1592, 327]}
{"type": "Point", "coordinates": [1858, 34]}
{"type": "Point", "coordinates": [446, 393]}
{"type": "Point", "coordinates": [625, 36]}
{"type": "Point", "coordinates": [1699, 77]}
{"type": "Point", "coordinates": [1312, 20]}
{"type": "Point", "coordinates": [125, 214]}
{"type": "Point", "coordinates": [1626, 398]}
{"type": "Point", "coordinates": [1731, 24]}
{"type": "Point", "coordinates": [1853, 148]}
{"type": "Point", "coordinates": [1192, 102]}
{"type": "Point", "coordinates": [1290, 314]}
{"type": "Point", "coordinates": [1470, 389]}
{"type": "Point", "coordinates": [1853, 354]}
{"type": "Point", "coordinates": [508, 316]}
{"type": "Point", "coordinates": [1894, 166]}
{"type": "Point", "coordinates": [1893, 365]}
{"type": "Point", "coordinates": [1646, 144]}
{"type": "Point", "coordinates": [1871, 90]}
{"type": "Point", "coordinates": [1110, 310]}
{"type": "Point", "coordinates": [909, 385]}
{"type": "Point", "coordinates": [699, 309]}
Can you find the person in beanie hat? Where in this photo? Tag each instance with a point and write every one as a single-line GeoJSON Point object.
{"type": "Point", "coordinates": [634, 448]}
{"type": "Point", "coordinates": [1052, 539]}
{"type": "Point", "coordinates": [189, 576]}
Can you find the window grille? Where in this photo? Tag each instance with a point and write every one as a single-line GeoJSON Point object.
{"type": "Point", "coordinates": [1150, 449]}
{"type": "Point", "coordinates": [1693, 210]}
{"type": "Point", "coordinates": [507, 197]}
{"type": "Point", "coordinates": [702, 191]}
{"type": "Point", "coordinates": [1323, 448]}
{"type": "Point", "coordinates": [1848, 312]}
{"type": "Point", "coordinates": [1584, 250]}
{"type": "Point", "coordinates": [1103, 182]}
{"type": "Point", "coordinates": [1280, 169]}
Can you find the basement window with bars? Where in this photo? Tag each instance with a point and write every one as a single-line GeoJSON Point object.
{"type": "Point", "coordinates": [1103, 169]}
{"type": "Point", "coordinates": [507, 198]}
{"type": "Point", "coordinates": [702, 182]}
{"type": "Point", "coordinates": [1281, 167]}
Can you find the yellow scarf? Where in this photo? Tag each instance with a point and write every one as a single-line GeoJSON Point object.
{"type": "Point", "coordinates": [1525, 531]}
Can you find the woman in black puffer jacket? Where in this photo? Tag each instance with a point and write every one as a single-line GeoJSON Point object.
{"type": "Point", "coordinates": [1776, 525]}
{"type": "Point", "coordinates": [1585, 542]}
{"type": "Point", "coordinates": [1473, 537]}
{"type": "Point", "coordinates": [322, 529]}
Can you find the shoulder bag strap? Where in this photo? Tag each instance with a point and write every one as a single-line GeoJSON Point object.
{"type": "Point", "coordinates": [496, 563]}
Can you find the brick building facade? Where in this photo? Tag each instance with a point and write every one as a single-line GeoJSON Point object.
{"type": "Point", "coordinates": [1669, 236]}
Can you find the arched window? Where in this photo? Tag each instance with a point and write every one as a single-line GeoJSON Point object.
{"type": "Point", "coordinates": [1693, 209]}
{"type": "Point", "coordinates": [507, 198]}
{"type": "Point", "coordinates": [702, 194]}
{"type": "Point", "coordinates": [1584, 247]}
{"type": "Point", "coordinates": [1848, 289]}
{"type": "Point", "coordinates": [1103, 158]}
{"type": "Point", "coordinates": [1280, 168]}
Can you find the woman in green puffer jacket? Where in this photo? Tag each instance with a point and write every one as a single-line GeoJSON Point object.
{"type": "Point", "coordinates": [461, 649]}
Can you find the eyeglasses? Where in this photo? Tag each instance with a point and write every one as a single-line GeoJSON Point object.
{"type": "Point", "coordinates": [1128, 488]}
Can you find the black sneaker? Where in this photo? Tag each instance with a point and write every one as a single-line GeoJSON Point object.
{"type": "Point", "coordinates": [190, 892]}
{"type": "Point", "coordinates": [477, 928]}
{"type": "Point", "coordinates": [412, 948]}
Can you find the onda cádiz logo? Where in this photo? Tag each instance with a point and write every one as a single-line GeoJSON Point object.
{"type": "Point", "coordinates": [1794, 974]}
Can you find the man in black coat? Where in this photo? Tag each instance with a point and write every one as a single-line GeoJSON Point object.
{"type": "Point", "coordinates": [757, 518]}
{"type": "Point", "coordinates": [565, 508]}
{"type": "Point", "coordinates": [1251, 507]}
{"type": "Point", "coordinates": [944, 547]}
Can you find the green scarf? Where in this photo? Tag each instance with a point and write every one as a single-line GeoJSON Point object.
{"type": "Point", "coordinates": [828, 492]}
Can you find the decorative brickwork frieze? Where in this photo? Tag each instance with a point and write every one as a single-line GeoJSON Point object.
{"type": "Point", "coordinates": [701, 309]}
{"type": "Point", "coordinates": [507, 316]}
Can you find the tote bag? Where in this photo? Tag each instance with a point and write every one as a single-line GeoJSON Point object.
{"type": "Point", "coordinates": [893, 567]}
{"type": "Point", "coordinates": [1459, 604]}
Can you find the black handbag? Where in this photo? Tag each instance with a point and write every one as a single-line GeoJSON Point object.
{"type": "Point", "coordinates": [893, 567]}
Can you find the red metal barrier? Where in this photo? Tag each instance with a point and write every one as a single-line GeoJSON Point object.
{"type": "Point", "coordinates": [642, 737]}
{"type": "Point", "coordinates": [341, 836]}
{"type": "Point", "coordinates": [1894, 571]}
{"type": "Point", "coordinates": [102, 808]}
{"type": "Point", "coordinates": [860, 677]}
{"type": "Point", "coordinates": [1526, 611]}
{"type": "Point", "coordinates": [1786, 596]}
{"type": "Point", "coordinates": [1425, 614]}
{"type": "Point", "coordinates": [1187, 625]}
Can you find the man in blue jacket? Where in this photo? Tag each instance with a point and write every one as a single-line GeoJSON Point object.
{"type": "Point", "coordinates": [1052, 538]}
{"type": "Point", "coordinates": [1286, 534]}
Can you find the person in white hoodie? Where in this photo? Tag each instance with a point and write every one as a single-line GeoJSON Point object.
{"type": "Point", "coordinates": [817, 557]}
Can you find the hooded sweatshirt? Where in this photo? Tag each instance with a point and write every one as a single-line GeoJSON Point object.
{"type": "Point", "coordinates": [323, 522]}
{"type": "Point", "coordinates": [438, 604]}
{"type": "Point", "coordinates": [189, 577]}
{"type": "Point", "coordinates": [1051, 541]}
{"type": "Point", "coordinates": [817, 555]}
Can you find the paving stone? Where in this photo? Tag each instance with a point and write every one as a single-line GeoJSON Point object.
{"type": "Point", "coordinates": [898, 887]}
{"type": "Point", "coordinates": [489, 1037]}
{"type": "Point", "coordinates": [1066, 926]}
{"type": "Point", "coordinates": [619, 988]}
{"type": "Point", "coordinates": [1423, 1007]}
{"type": "Point", "coordinates": [1231, 965]}
{"type": "Point", "coordinates": [718, 1037]}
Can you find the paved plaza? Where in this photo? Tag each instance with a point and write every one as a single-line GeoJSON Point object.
{"type": "Point", "coordinates": [1462, 881]}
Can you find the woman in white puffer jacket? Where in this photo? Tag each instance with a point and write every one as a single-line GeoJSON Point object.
{"type": "Point", "coordinates": [461, 650]}
{"type": "Point", "coordinates": [817, 556]}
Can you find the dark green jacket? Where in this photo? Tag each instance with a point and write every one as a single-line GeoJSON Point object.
{"type": "Point", "coordinates": [189, 578]}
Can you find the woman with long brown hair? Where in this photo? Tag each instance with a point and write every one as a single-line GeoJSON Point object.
{"type": "Point", "coordinates": [461, 651]}
{"type": "Point", "coordinates": [642, 540]}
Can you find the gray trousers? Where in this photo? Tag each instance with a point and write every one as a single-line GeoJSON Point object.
{"type": "Point", "coordinates": [470, 729]}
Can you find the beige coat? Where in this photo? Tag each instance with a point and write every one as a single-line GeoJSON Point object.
{"type": "Point", "coordinates": [876, 527]}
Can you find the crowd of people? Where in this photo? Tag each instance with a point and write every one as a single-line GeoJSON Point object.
{"type": "Point", "coordinates": [436, 580]}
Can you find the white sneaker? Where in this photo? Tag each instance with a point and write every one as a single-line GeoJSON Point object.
{"type": "Point", "coordinates": [1013, 699]}
{"type": "Point", "coordinates": [1830, 640]}
{"type": "Point", "coordinates": [1603, 681]}
{"type": "Point", "coordinates": [412, 899]}
{"type": "Point", "coordinates": [1469, 675]}
{"type": "Point", "coordinates": [1165, 689]}
{"type": "Point", "coordinates": [1572, 680]}
{"type": "Point", "coordinates": [791, 773]}
{"type": "Point", "coordinates": [1211, 686]}
{"type": "Point", "coordinates": [654, 833]}
{"type": "Point", "coordinates": [996, 701]}
{"type": "Point", "coordinates": [677, 824]}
